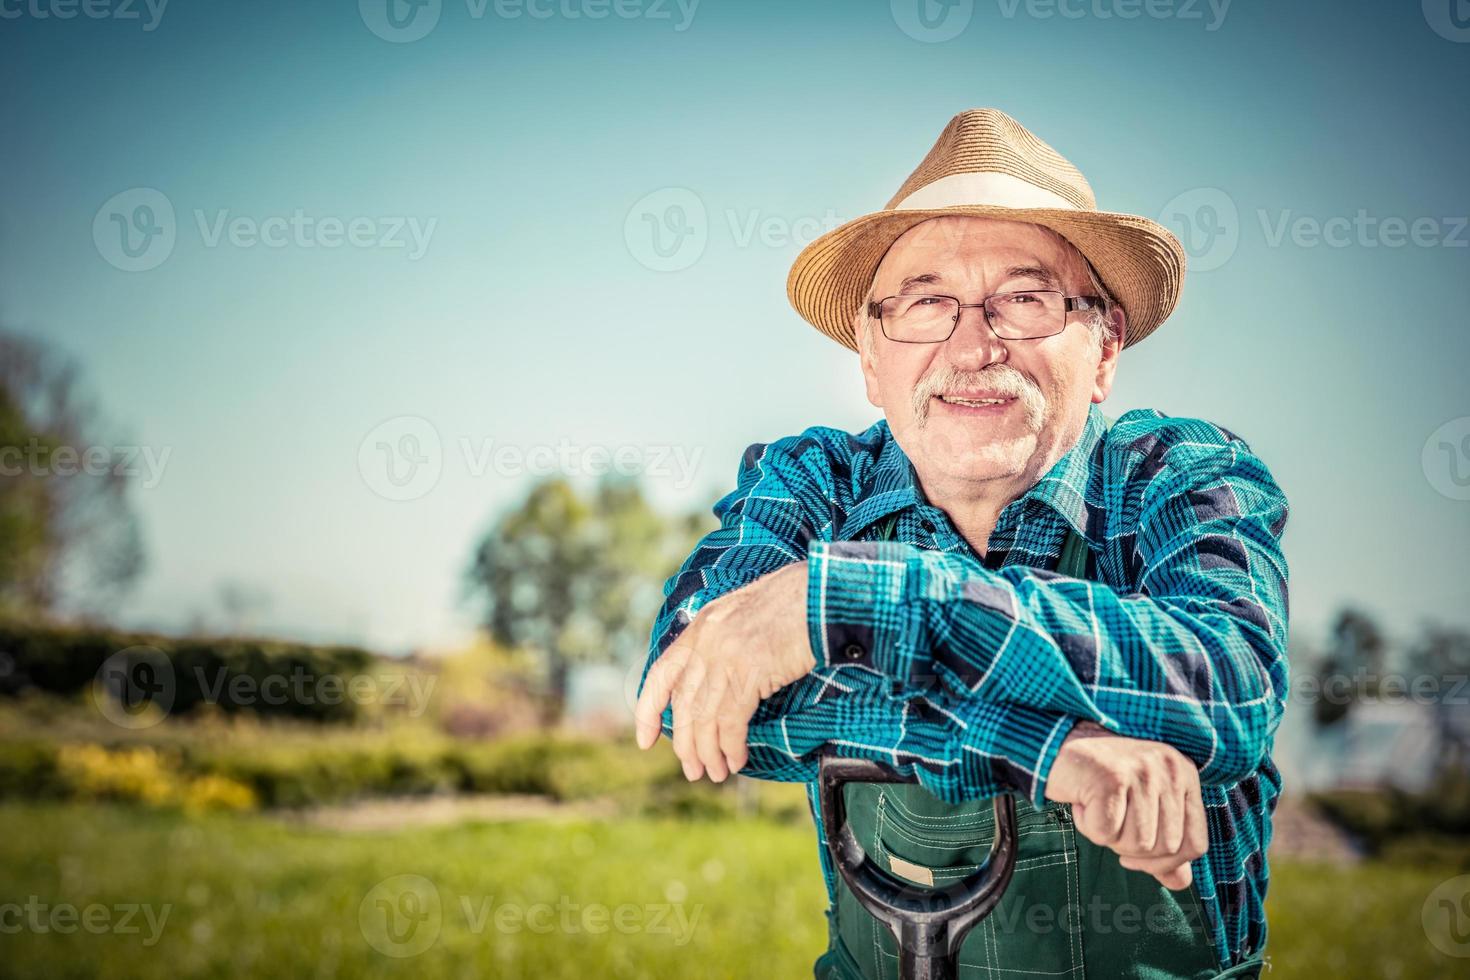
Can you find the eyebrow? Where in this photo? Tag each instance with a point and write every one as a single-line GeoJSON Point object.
{"type": "Point", "coordinates": [922, 279]}
{"type": "Point", "coordinates": [1040, 274]}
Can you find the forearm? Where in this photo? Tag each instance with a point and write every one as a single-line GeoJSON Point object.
{"type": "Point", "coordinates": [1203, 675]}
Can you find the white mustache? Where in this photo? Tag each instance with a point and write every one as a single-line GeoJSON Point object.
{"type": "Point", "coordinates": [1002, 379]}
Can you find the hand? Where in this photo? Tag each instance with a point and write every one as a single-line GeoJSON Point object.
{"type": "Point", "coordinates": [1138, 798]}
{"type": "Point", "coordinates": [741, 648]}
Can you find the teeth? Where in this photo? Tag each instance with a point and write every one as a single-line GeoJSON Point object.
{"type": "Point", "coordinates": [973, 402]}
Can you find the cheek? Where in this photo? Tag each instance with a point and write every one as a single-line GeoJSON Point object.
{"type": "Point", "coordinates": [898, 375]}
{"type": "Point", "coordinates": [1062, 371]}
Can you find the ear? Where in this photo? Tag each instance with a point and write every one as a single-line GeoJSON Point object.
{"type": "Point", "coordinates": [868, 359]}
{"type": "Point", "coordinates": [1107, 363]}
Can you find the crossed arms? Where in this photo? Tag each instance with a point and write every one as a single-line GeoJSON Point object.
{"type": "Point", "coordinates": [774, 642]}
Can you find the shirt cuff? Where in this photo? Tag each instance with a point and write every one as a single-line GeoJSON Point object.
{"type": "Point", "coordinates": [857, 607]}
{"type": "Point", "coordinates": [1012, 746]}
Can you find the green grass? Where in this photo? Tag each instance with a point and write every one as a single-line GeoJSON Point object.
{"type": "Point", "coordinates": [250, 896]}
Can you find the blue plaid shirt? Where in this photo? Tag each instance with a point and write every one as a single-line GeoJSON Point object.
{"type": "Point", "coordinates": [969, 672]}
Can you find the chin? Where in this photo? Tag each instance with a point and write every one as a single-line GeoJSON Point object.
{"type": "Point", "coordinates": [974, 456]}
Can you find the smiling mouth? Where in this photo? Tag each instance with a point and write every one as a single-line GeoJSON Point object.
{"type": "Point", "coordinates": [972, 402]}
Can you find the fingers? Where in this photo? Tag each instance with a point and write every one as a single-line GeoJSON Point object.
{"type": "Point", "coordinates": [706, 732]}
{"type": "Point", "coordinates": [733, 728]}
{"type": "Point", "coordinates": [686, 717]}
{"type": "Point", "coordinates": [1153, 818]}
{"type": "Point", "coordinates": [658, 689]}
{"type": "Point", "coordinates": [1172, 818]}
{"type": "Point", "coordinates": [1170, 872]}
{"type": "Point", "coordinates": [1144, 802]}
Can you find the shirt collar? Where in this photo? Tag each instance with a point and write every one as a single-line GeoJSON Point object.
{"type": "Point", "coordinates": [1063, 488]}
{"type": "Point", "coordinates": [890, 486]}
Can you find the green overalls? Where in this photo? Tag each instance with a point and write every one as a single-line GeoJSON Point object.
{"type": "Point", "coordinates": [1071, 910]}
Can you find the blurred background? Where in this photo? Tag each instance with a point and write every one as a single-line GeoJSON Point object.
{"type": "Point", "coordinates": [366, 368]}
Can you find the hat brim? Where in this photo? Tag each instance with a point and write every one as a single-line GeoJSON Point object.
{"type": "Point", "coordinates": [1140, 262]}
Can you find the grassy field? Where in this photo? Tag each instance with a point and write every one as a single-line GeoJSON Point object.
{"type": "Point", "coordinates": [252, 896]}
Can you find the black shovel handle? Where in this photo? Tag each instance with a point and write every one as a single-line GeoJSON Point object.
{"type": "Point", "coordinates": [929, 924]}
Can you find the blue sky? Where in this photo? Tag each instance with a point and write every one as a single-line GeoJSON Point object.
{"type": "Point", "coordinates": [376, 244]}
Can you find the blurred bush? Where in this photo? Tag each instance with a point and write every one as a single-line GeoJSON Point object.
{"type": "Point", "coordinates": [1382, 818]}
{"type": "Point", "coordinates": [201, 670]}
{"type": "Point", "coordinates": [236, 764]}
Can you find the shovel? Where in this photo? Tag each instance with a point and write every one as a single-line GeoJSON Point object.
{"type": "Point", "coordinates": [929, 924]}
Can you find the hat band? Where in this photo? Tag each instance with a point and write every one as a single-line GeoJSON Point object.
{"type": "Point", "coordinates": [1001, 190]}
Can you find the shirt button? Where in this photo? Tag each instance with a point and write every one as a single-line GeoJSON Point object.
{"type": "Point", "coordinates": [854, 651]}
{"type": "Point", "coordinates": [928, 526]}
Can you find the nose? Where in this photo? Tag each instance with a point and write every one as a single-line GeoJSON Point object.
{"type": "Point", "coordinates": [973, 344]}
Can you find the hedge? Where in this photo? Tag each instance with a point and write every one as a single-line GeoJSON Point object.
{"type": "Point", "coordinates": [266, 677]}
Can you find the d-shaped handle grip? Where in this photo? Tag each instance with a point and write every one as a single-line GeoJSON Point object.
{"type": "Point", "coordinates": [929, 924]}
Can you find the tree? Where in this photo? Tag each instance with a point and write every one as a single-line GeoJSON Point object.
{"type": "Point", "coordinates": [1355, 651]}
{"type": "Point", "coordinates": [1443, 654]}
{"type": "Point", "coordinates": [66, 527]}
{"type": "Point", "coordinates": [576, 578]}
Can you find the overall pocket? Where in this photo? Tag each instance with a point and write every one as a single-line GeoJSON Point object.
{"type": "Point", "coordinates": [1031, 931]}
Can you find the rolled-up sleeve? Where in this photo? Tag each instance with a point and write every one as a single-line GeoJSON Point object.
{"type": "Point", "coordinates": [1195, 656]}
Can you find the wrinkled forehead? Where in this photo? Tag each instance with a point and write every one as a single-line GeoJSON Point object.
{"type": "Point", "coordinates": [963, 248]}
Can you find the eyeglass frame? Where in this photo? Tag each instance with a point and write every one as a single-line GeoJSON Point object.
{"type": "Point", "coordinates": [1071, 304]}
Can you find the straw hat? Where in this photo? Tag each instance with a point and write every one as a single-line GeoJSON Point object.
{"type": "Point", "coordinates": [987, 164]}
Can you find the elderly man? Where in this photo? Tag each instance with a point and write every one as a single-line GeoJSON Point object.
{"type": "Point", "coordinates": [998, 590]}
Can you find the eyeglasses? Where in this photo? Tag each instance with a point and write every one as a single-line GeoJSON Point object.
{"type": "Point", "coordinates": [1028, 314]}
